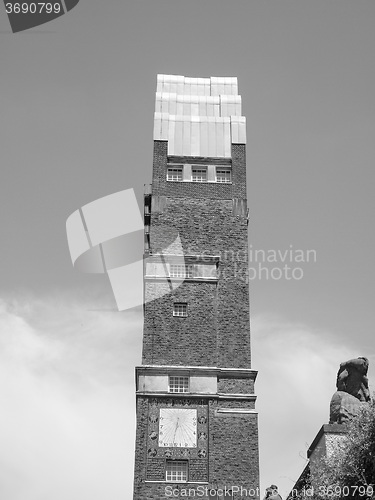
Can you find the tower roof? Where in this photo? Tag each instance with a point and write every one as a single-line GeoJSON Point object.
{"type": "Point", "coordinates": [199, 116]}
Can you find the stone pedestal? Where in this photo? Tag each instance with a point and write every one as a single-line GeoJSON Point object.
{"type": "Point", "coordinates": [325, 443]}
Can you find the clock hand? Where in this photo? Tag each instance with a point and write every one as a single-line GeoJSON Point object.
{"type": "Point", "coordinates": [174, 436]}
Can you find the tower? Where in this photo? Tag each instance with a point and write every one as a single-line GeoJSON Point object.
{"type": "Point", "coordinates": [196, 420]}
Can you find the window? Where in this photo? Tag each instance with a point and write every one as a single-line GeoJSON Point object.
{"type": "Point", "coordinates": [174, 174]}
{"type": "Point", "coordinates": [181, 271]}
{"type": "Point", "coordinates": [178, 384]}
{"type": "Point", "coordinates": [223, 175]}
{"type": "Point", "coordinates": [199, 174]}
{"type": "Point", "coordinates": [180, 309]}
{"type": "Point", "coordinates": [176, 471]}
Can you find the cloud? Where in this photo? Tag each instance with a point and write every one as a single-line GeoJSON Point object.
{"type": "Point", "coordinates": [67, 397]}
{"type": "Point", "coordinates": [67, 420]}
{"type": "Point", "coordinates": [297, 375]}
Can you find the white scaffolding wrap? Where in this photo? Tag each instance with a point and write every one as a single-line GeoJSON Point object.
{"type": "Point", "coordinates": [198, 116]}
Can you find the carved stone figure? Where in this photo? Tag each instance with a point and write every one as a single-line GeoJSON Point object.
{"type": "Point", "coordinates": [352, 378]}
{"type": "Point", "coordinates": [352, 390]}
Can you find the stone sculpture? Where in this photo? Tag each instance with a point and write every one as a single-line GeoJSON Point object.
{"type": "Point", "coordinates": [352, 390]}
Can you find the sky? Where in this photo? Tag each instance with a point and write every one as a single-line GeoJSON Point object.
{"type": "Point", "coordinates": [77, 102]}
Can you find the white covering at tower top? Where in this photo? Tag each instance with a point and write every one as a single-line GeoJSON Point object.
{"type": "Point", "coordinates": [198, 116]}
{"type": "Point", "coordinates": [183, 85]}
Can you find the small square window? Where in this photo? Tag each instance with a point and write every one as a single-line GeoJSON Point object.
{"type": "Point", "coordinates": [181, 271]}
{"type": "Point", "coordinates": [176, 471]}
{"type": "Point", "coordinates": [178, 384]}
{"type": "Point", "coordinates": [174, 174]}
{"type": "Point", "coordinates": [223, 175]}
{"type": "Point", "coordinates": [180, 309]}
{"type": "Point", "coordinates": [199, 174]}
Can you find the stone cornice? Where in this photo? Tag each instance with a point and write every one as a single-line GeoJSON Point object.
{"type": "Point", "coordinates": [198, 370]}
{"type": "Point", "coordinates": [179, 395]}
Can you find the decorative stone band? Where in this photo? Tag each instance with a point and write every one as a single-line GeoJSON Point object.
{"type": "Point", "coordinates": [179, 395]}
{"type": "Point", "coordinates": [197, 268]}
{"type": "Point", "coordinates": [161, 279]}
{"type": "Point", "coordinates": [197, 370]}
{"type": "Point", "coordinates": [203, 382]}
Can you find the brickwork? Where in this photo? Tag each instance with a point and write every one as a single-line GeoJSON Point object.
{"type": "Point", "coordinates": [233, 448]}
{"type": "Point", "coordinates": [204, 229]}
{"type": "Point", "coordinates": [231, 461]}
{"type": "Point", "coordinates": [239, 170]}
{"type": "Point", "coordinates": [235, 385]}
{"type": "Point", "coordinates": [209, 220]}
{"type": "Point", "coordinates": [162, 187]}
{"type": "Point", "coordinates": [171, 340]}
{"type": "Point", "coordinates": [236, 403]}
{"type": "Point", "coordinates": [140, 448]}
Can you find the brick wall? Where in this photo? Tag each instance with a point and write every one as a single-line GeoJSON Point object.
{"type": "Point", "coordinates": [235, 385]}
{"type": "Point", "coordinates": [161, 187]}
{"type": "Point", "coordinates": [140, 447]}
{"type": "Point", "coordinates": [171, 340]}
{"type": "Point", "coordinates": [231, 461]}
{"type": "Point", "coordinates": [204, 228]}
{"type": "Point", "coordinates": [210, 219]}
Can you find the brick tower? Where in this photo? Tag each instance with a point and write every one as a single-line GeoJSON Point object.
{"type": "Point", "coordinates": [196, 420]}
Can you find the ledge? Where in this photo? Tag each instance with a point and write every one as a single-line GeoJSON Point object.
{"type": "Point", "coordinates": [176, 482]}
{"type": "Point", "coordinates": [188, 258]}
{"type": "Point", "coordinates": [178, 280]}
{"type": "Point", "coordinates": [197, 395]}
{"type": "Point", "coordinates": [199, 370]}
{"type": "Point", "coordinates": [228, 395]}
{"type": "Point", "coordinates": [202, 182]}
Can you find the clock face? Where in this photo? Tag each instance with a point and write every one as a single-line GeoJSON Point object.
{"type": "Point", "coordinates": [178, 428]}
